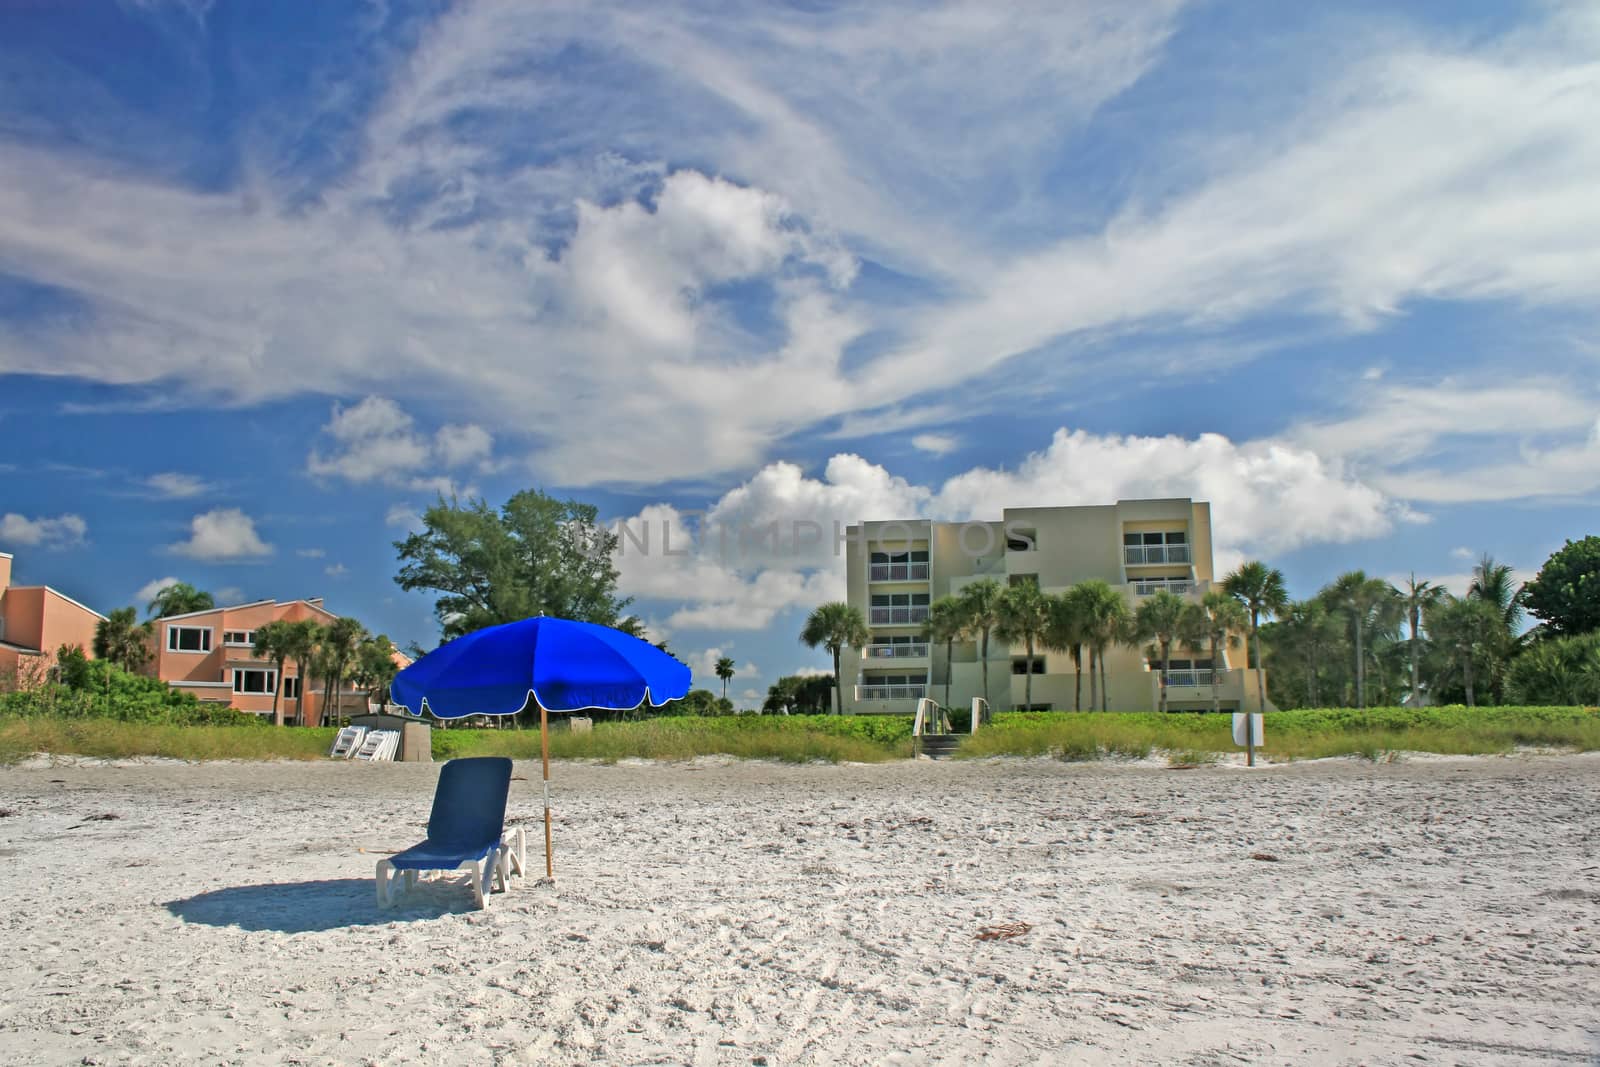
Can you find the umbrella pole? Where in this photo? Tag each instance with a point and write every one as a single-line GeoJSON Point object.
{"type": "Point", "coordinates": [544, 745]}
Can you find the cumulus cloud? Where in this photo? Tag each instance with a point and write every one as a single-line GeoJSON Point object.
{"type": "Point", "coordinates": [377, 441]}
{"type": "Point", "coordinates": [1266, 496]}
{"type": "Point", "coordinates": [172, 485]}
{"type": "Point", "coordinates": [774, 542]}
{"type": "Point", "coordinates": [310, 553]}
{"type": "Point", "coordinates": [147, 592]}
{"type": "Point", "coordinates": [222, 535]}
{"type": "Point", "coordinates": [336, 570]}
{"type": "Point", "coordinates": [62, 531]}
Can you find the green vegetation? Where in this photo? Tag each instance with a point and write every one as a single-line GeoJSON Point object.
{"type": "Point", "coordinates": [535, 555]}
{"type": "Point", "coordinates": [790, 738]}
{"type": "Point", "coordinates": [1305, 734]}
{"type": "Point", "coordinates": [117, 739]}
{"type": "Point", "coordinates": [1565, 593]}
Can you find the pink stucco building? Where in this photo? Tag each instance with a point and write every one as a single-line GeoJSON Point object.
{"type": "Point", "coordinates": [36, 620]}
{"type": "Point", "coordinates": [211, 654]}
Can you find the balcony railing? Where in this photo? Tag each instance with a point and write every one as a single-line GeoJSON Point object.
{"type": "Point", "coordinates": [1142, 554]}
{"type": "Point", "coordinates": [891, 692]}
{"type": "Point", "coordinates": [897, 616]}
{"type": "Point", "coordinates": [1193, 678]}
{"type": "Point", "coordinates": [899, 572]}
{"type": "Point", "coordinates": [897, 651]}
{"type": "Point", "coordinates": [1171, 585]}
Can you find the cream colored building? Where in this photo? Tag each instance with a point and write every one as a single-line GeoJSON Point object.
{"type": "Point", "coordinates": [895, 570]}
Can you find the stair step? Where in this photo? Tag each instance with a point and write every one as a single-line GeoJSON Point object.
{"type": "Point", "coordinates": [936, 745]}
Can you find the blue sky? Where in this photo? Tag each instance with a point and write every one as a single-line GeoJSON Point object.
{"type": "Point", "coordinates": [273, 275]}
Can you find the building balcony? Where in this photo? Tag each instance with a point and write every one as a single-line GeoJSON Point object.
{"type": "Point", "coordinates": [898, 572]}
{"type": "Point", "coordinates": [897, 616]}
{"type": "Point", "coordinates": [1177, 586]}
{"type": "Point", "coordinates": [1146, 555]}
{"type": "Point", "coordinates": [891, 692]}
{"type": "Point", "coordinates": [896, 652]}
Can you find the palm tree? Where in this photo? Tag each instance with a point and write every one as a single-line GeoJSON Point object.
{"type": "Point", "coordinates": [725, 672]}
{"type": "Point", "coordinates": [1466, 629]}
{"type": "Point", "coordinates": [300, 643]}
{"type": "Point", "coordinates": [1222, 617]}
{"type": "Point", "coordinates": [272, 643]}
{"type": "Point", "coordinates": [833, 626]}
{"type": "Point", "coordinates": [120, 638]}
{"type": "Point", "coordinates": [1418, 597]}
{"type": "Point", "coordinates": [340, 640]}
{"type": "Point", "coordinates": [1104, 616]}
{"type": "Point", "coordinates": [1160, 618]}
{"type": "Point", "coordinates": [1367, 603]}
{"type": "Point", "coordinates": [1261, 590]}
{"type": "Point", "coordinates": [1493, 584]}
{"type": "Point", "coordinates": [374, 668]}
{"type": "Point", "coordinates": [1024, 615]}
{"type": "Point", "coordinates": [1068, 632]}
{"type": "Point", "coordinates": [1306, 629]}
{"type": "Point", "coordinates": [980, 610]}
{"type": "Point", "coordinates": [945, 624]}
{"type": "Point", "coordinates": [180, 598]}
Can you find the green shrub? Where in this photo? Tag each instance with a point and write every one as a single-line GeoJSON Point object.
{"type": "Point", "coordinates": [104, 738]}
{"type": "Point", "coordinates": [108, 692]}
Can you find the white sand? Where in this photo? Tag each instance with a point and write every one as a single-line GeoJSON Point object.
{"type": "Point", "coordinates": [1430, 911]}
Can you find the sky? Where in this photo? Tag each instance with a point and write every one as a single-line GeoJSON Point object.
{"type": "Point", "coordinates": [274, 276]}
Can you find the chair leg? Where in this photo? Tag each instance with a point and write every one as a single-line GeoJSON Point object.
{"type": "Point", "coordinates": [382, 877]}
{"type": "Point", "coordinates": [411, 880]}
{"type": "Point", "coordinates": [477, 872]}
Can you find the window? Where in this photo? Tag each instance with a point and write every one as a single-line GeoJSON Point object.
{"type": "Point", "coordinates": [291, 687]}
{"type": "Point", "coordinates": [188, 639]}
{"type": "Point", "coordinates": [897, 645]}
{"type": "Point", "coordinates": [1020, 665]}
{"type": "Point", "coordinates": [254, 681]}
{"type": "Point", "coordinates": [889, 609]}
{"type": "Point", "coordinates": [239, 638]}
{"type": "Point", "coordinates": [1022, 540]}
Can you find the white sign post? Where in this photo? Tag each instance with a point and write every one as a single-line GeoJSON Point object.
{"type": "Point", "coordinates": [1249, 730]}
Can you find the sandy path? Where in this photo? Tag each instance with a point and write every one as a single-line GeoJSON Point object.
{"type": "Point", "coordinates": [1431, 911]}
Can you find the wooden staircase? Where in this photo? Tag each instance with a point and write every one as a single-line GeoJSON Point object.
{"type": "Point", "coordinates": [938, 746]}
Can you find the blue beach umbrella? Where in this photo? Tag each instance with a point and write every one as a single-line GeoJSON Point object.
{"type": "Point", "coordinates": [553, 664]}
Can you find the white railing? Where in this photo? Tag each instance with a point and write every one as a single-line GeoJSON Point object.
{"type": "Point", "coordinates": [898, 616]}
{"type": "Point", "coordinates": [899, 572]}
{"type": "Point", "coordinates": [891, 692]}
{"type": "Point", "coordinates": [1142, 554]}
{"type": "Point", "coordinates": [930, 719]}
{"type": "Point", "coordinates": [1172, 585]}
{"type": "Point", "coordinates": [897, 651]}
{"type": "Point", "coordinates": [1193, 678]}
{"type": "Point", "coordinates": [980, 712]}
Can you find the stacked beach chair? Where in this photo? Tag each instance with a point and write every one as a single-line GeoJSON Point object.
{"type": "Point", "coordinates": [359, 742]}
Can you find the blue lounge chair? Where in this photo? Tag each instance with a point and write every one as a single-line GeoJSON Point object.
{"type": "Point", "coordinates": [466, 830]}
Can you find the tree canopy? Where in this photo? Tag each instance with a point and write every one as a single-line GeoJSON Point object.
{"type": "Point", "coordinates": [180, 598]}
{"type": "Point", "coordinates": [535, 555]}
{"type": "Point", "coordinates": [1565, 594]}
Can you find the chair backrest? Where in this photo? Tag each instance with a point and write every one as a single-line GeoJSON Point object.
{"type": "Point", "coordinates": [469, 805]}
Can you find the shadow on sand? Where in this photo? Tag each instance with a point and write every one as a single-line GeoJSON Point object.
{"type": "Point", "coordinates": [309, 907]}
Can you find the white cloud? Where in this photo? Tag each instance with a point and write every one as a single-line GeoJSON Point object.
{"type": "Point", "coordinates": [1537, 436]}
{"type": "Point", "coordinates": [63, 531]}
{"type": "Point", "coordinates": [1463, 553]}
{"type": "Point", "coordinates": [230, 594]}
{"type": "Point", "coordinates": [445, 264]}
{"type": "Point", "coordinates": [336, 570]}
{"type": "Point", "coordinates": [769, 545]}
{"type": "Point", "coordinates": [173, 485]}
{"type": "Point", "coordinates": [148, 591]}
{"type": "Point", "coordinates": [403, 516]}
{"type": "Point", "coordinates": [310, 553]}
{"type": "Point", "coordinates": [1266, 496]}
{"type": "Point", "coordinates": [222, 534]}
{"type": "Point", "coordinates": [811, 672]}
{"type": "Point", "coordinates": [938, 444]}
{"type": "Point", "coordinates": [457, 446]}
